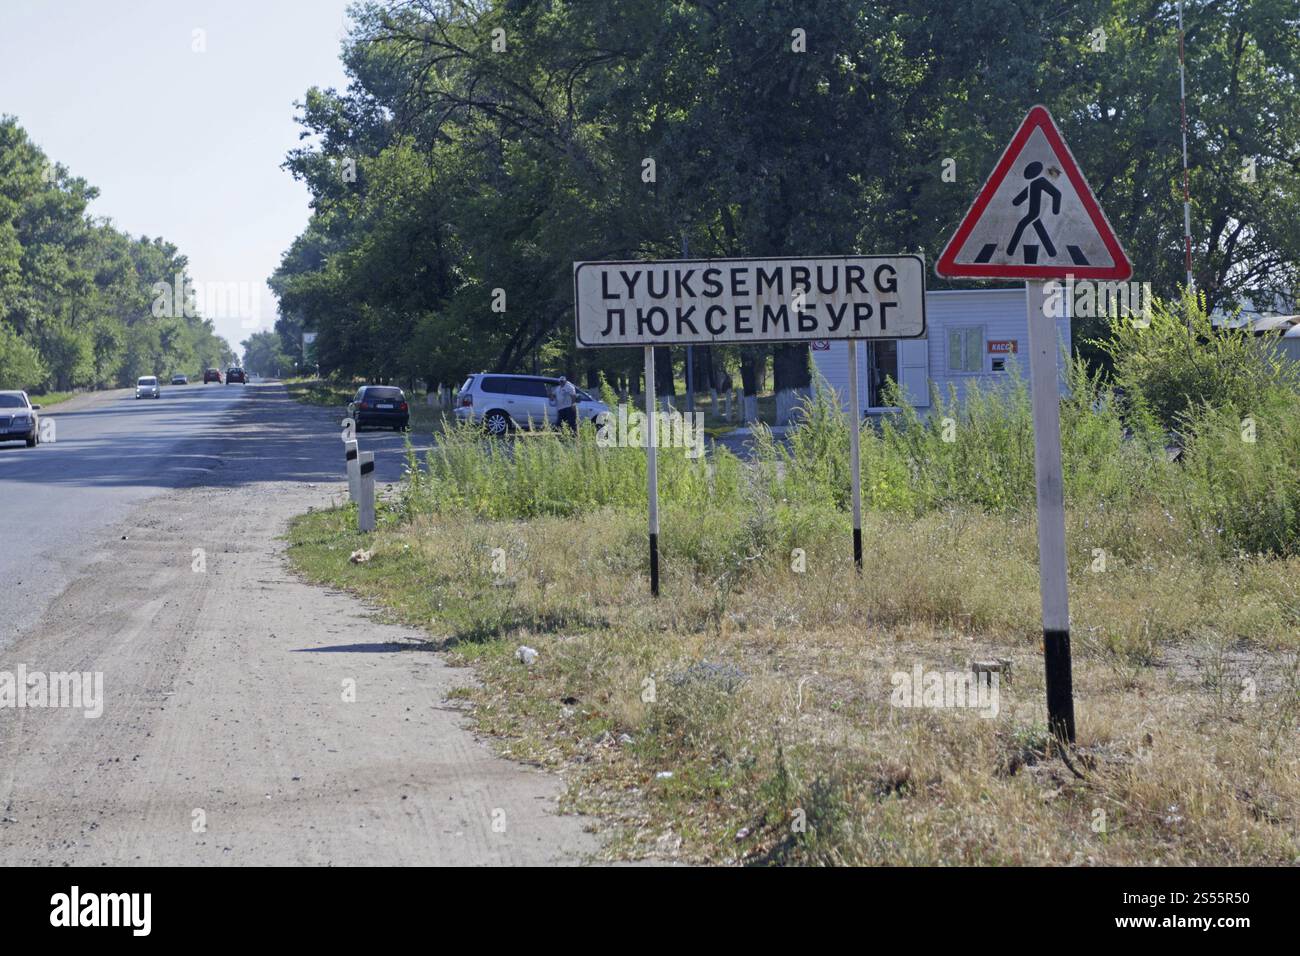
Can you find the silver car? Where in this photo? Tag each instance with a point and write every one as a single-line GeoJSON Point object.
{"type": "Point", "coordinates": [147, 387]}
{"type": "Point", "coordinates": [18, 419]}
{"type": "Point", "coordinates": [503, 403]}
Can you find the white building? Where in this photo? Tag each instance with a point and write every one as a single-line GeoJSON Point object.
{"type": "Point", "coordinates": [971, 336]}
{"type": "Point", "coordinates": [1291, 343]}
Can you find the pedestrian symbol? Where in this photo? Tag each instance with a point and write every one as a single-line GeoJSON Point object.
{"type": "Point", "coordinates": [1035, 218]}
{"type": "Point", "coordinates": [1038, 185]}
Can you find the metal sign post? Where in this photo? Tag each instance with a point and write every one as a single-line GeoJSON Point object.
{"type": "Point", "coordinates": [652, 466]}
{"type": "Point", "coordinates": [1052, 569]}
{"type": "Point", "coordinates": [855, 440]}
{"type": "Point", "coordinates": [1035, 218]}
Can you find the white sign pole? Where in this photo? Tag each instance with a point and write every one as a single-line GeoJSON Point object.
{"type": "Point", "coordinates": [652, 472]}
{"type": "Point", "coordinates": [1053, 581]}
{"type": "Point", "coordinates": [350, 451]}
{"type": "Point", "coordinates": [855, 466]}
{"type": "Point", "coordinates": [366, 504]}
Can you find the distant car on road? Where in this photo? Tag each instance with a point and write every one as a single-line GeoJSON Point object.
{"type": "Point", "coordinates": [502, 403]}
{"type": "Point", "coordinates": [235, 374]}
{"type": "Point", "coordinates": [211, 375]}
{"type": "Point", "coordinates": [18, 419]}
{"type": "Point", "coordinates": [383, 406]}
{"type": "Point", "coordinates": [180, 380]}
{"type": "Point", "coordinates": [147, 387]}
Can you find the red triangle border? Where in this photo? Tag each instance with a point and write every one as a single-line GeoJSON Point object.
{"type": "Point", "coordinates": [1037, 118]}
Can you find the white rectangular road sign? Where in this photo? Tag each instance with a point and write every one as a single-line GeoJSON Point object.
{"type": "Point", "coordinates": [742, 301]}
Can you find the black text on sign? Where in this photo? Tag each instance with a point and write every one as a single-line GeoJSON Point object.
{"type": "Point", "coordinates": [686, 301]}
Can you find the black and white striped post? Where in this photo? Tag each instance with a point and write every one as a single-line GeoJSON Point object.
{"type": "Point", "coordinates": [366, 503]}
{"type": "Point", "coordinates": [350, 452]}
{"type": "Point", "coordinates": [855, 451]}
{"type": "Point", "coordinates": [1045, 396]}
{"type": "Point", "coordinates": [652, 466]}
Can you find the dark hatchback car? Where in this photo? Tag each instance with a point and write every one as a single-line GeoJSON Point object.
{"type": "Point", "coordinates": [236, 375]}
{"type": "Point", "coordinates": [381, 406]}
{"type": "Point", "coordinates": [211, 375]}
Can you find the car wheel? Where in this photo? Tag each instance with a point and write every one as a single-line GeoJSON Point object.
{"type": "Point", "coordinates": [496, 423]}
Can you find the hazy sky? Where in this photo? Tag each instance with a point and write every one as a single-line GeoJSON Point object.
{"type": "Point", "coordinates": [182, 144]}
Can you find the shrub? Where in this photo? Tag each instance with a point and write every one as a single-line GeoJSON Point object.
{"type": "Point", "coordinates": [1180, 361]}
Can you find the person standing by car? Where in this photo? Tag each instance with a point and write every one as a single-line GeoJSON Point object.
{"type": "Point", "coordinates": [566, 401]}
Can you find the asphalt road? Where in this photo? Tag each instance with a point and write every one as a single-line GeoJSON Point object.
{"type": "Point", "coordinates": [246, 717]}
{"type": "Point", "coordinates": [113, 452]}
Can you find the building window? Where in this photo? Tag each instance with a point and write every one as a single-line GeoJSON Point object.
{"type": "Point", "coordinates": [966, 350]}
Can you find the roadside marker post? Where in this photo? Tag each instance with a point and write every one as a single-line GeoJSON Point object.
{"type": "Point", "coordinates": [1035, 218]}
{"type": "Point", "coordinates": [350, 451]}
{"type": "Point", "coordinates": [855, 452]}
{"type": "Point", "coordinates": [652, 466]}
{"type": "Point", "coordinates": [366, 503]}
{"type": "Point", "coordinates": [664, 302]}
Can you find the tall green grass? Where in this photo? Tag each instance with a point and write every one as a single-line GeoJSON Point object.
{"type": "Point", "coordinates": [550, 472]}
{"type": "Point", "coordinates": [1234, 491]}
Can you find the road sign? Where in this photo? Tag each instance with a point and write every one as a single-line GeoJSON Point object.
{"type": "Point", "coordinates": [1035, 217]}
{"type": "Point", "coordinates": [742, 301]}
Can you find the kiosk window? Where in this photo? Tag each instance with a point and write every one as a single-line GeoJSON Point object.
{"type": "Point", "coordinates": [966, 349]}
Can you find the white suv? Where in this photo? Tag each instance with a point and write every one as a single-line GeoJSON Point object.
{"type": "Point", "coordinates": [502, 403]}
{"type": "Point", "coordinates": [147, 387]}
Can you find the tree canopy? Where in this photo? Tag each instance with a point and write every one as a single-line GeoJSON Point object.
{"type": "Point", "coordinates": [483, 147]}
{"type": "Point", "coordinates": [79, 305]}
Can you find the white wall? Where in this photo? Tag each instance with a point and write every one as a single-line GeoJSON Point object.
{"type": "Point", "coordinates": [998, 313]}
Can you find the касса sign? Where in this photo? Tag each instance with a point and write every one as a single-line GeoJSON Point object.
{"type": "Point", "coordinates": [699, 301]}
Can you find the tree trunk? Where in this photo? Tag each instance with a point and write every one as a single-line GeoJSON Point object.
{"type": "Point", "coordinates": [665, 384]}
{"type": "Point", "coordinates": [791, 379]}
{"type": "Point", "coordinates": [753, 369]}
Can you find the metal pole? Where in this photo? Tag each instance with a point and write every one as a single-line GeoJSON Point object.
{"type": "Point", "coordinates": [1052, 567]}
{"type": "Point", "coordinates": [855, 467]}
{"type": "Point", "coordinates": [652, 473]}
{"type": "Point", "coordinates": [690, 349]}
{"type": "Point", "coordinates": [1187, 191]}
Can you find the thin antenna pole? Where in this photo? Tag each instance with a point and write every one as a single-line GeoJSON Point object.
{"type": "Point", "coordinates": [1187, 191]}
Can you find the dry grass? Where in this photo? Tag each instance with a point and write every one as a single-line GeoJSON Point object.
{"type": "Point", "coordinates": [771, 689]}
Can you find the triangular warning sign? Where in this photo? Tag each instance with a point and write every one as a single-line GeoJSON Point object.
{"type": "Point", "coordinates": [1035, 218]}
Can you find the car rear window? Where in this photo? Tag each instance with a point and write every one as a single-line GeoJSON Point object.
{"type": "Point", "coordinates": [384, 394]}
{"type": "Point", "coordinates": [469, 383]}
